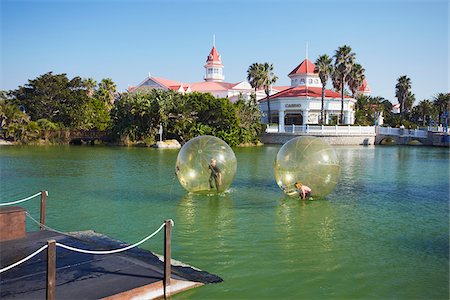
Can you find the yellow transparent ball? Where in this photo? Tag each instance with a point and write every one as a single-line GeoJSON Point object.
{"type": "Point", "coordinates": [310, 161]}
{"type": "Point", "coordinates": [206, 164]}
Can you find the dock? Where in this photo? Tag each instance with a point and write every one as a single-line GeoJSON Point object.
{"type": "Point", "coordinates": [133, 273]}
{"type": "Point", "coordinates": [49, 264]}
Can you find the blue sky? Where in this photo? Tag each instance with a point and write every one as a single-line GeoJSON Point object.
{"type": "Point", "coordinates": [125, 40]}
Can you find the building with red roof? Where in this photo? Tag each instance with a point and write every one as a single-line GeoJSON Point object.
{"type": "Point", "coordinates": [301, 103]}
{"type": "Point", "coordinates": [214, 82]}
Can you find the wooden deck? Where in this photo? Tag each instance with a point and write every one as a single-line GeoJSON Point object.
{"type": "Point", "coordinates": [133, 273]}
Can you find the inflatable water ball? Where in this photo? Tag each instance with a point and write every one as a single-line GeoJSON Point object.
{"type": "Point", "coordinates": [309, 161]}
{"type": "Point", "coordinates": [206, 164]}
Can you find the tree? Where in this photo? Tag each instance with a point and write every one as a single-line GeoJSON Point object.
{"type": "Point", "coordinates": [344, 59]}
{"type": "Point", "coordinates": [90, 85]}
{"type": "Point", "coordinates": [136, 116]}
{"type": "Point", "coordinates": [367, 109]}
{"type": "Point", "coordinates": [325, 68]}
{"type": "Point", "coordinates": [254, 76]}
{"type": "Point", "coordinates": [356, 78]}
{"type": "Point", "coordinates": [402, 90]}
{"type": "Point", "coordinates": [423, 110]}
{"type": "Point", "coordinates": [249, 119]}
{"type": "Point", "coordinates": [409, 102]}
{"type": "Point", "coordinates": [261, 75]}
{"type": "Point", "coordinates": [16, 125]}
{"type": "Point", "coordinates": [53, 97]}
{"type": "Point", "coordinates": [441, 102]}
{"type": "Point", "coordinates": [106, 91]}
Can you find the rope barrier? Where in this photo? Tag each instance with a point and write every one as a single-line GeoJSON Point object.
{"type": "Point", "coordinates": [45, 226]}
{"type": "Point", "coordinates": [24, 259]}
{"type": "Point", "coordinates": [102, 252]}
{"type": "Point", "coordinates": [83, 250]}
{"type": "Point", "coordinates": [23, 200]}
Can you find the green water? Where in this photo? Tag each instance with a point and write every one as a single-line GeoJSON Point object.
{"type": "Point", "coordinates": [383, 233]}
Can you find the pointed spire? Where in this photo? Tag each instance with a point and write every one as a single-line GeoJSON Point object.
{"type": "Point", "coordinates": [306, 49]}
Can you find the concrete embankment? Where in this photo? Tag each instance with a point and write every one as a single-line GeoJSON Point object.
{"type": "Point", "coordinates": [281, 138]}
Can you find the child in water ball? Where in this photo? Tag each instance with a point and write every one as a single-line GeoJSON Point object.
{"type": "Point", "coordinates": [303, 190]}
{"type": "Point", "coordinates": [216, 175]}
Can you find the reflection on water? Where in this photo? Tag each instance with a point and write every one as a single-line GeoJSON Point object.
{"type": "Point", "coordinates": [382, 233]}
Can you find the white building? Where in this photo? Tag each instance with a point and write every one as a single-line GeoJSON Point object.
{"type": "Point", "coordinates": [300, 104]}
{"type": "Point", "coordinates": [214, 82]}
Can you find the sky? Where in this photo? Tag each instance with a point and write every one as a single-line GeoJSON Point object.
{"type": "Point", "coordinates": [127, 40]}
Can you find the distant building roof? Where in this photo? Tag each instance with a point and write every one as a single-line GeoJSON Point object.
{"type": "Point", "coordinates": [305, 67]}
{"type": "Point", "coordinates": [214, 56]}
{"type": "Point", "coordinates": [304, 91]}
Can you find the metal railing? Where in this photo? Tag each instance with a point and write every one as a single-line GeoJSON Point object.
{"type": "Point", "coordinates": [323, 130]}
{"type": "Point", "coordinates": [420, 133]}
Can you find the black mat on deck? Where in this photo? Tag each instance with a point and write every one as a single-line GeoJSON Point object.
{"type": "Point", "coordinates": [83, 276]}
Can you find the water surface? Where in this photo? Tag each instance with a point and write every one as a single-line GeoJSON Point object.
{"type": "Point", "coordinates": [383, 233]}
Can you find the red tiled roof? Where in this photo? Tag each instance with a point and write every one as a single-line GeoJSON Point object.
{"type": "Point", "coordinates": [206, 86]}
{"type": "Point", "coordinates": [303, 91]}
{"type": "Point", "coordinates": [166, 82]}
{"type": "Point", "coordinates": [213, 55]}
{"type": "Point", "coordinates": [281, 88]}
{"type": "Point", "coordinates": [305, 67]}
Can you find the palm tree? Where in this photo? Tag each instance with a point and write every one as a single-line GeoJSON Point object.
{"type": "Point", "coordinates": [424, 109]}
{"type": "Point", "coordinates": [442, 103]}
{"type": "Point", "coordinates": [344, 59]}
{"type": "Point", "coordinates": [356, 78]}
{"type": "Point", "coordinates": [254, 77]}
{"type": "Point", "coordinates": [107, 90]}
{"type": "Point", "coordinates": [409, 101]}
{"type": "Point", "coordinates": [261, 75]}
{"type": "Point", "coordinates": [90, 85]}
{"type": "Point", "coordinates": [402, 91]}
{"type": "Point", "coordinates": [325, 68]}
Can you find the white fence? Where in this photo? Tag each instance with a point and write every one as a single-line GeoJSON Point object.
{"type": "Point", "coordinates": [352, 130]}
{"type": "Point", "coordinates": [324, 130]}
{"type": "Point", "coordinates": [438, 129]}
{"type": "Point", "coordinates": [420, 133]}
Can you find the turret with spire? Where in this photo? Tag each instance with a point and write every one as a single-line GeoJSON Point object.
{"type": "Point", "coordinates": [214, 66]}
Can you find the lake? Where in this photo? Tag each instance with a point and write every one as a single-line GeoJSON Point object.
{"type": "Point", "coordinates": [383, 232]}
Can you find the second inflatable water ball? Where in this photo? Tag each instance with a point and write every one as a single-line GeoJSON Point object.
{"type": "Point", "coordinates": [309, 161]}
{"type": "Point", "coordinates": [206, 164]}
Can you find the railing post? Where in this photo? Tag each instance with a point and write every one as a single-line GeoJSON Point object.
{"type": "Point", "coordinates": [321, 129]}
{"type": "Point", "coordinates": [307, 128]}
{"type": "Point", "coordinates": [293, 128]}
{"type": "Point", "coordinates": [167, 271]}
{"type": "Point", "coordinates": [51, 270]}
{"type": "Point", "coordinates": [43, 204]}
{"type": "Point", "coordinates": [335, 129]}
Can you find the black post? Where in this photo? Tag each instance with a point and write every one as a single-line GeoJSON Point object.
{"type": "Point", "coordinates": [43, 204]}
{"type": "Point", "coordinates": [167, 271]}
{"type": "Point", "coordinates": [51, 269]}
